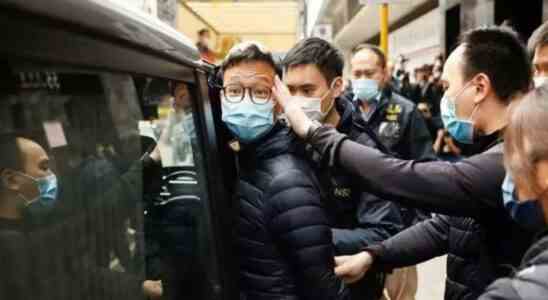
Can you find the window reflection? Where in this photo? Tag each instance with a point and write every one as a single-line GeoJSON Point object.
{"type": "Point", "coordinates": [174, 128]}
{"type": "Point", "coordinates": [82, 215]}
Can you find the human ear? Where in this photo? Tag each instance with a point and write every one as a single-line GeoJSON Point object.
{"type": "Point", "coordinates": [338, 85]}
{"type": "Point", "coordinates": [483, 88]}
{"type": "Point", "coordinates": [9, 180]}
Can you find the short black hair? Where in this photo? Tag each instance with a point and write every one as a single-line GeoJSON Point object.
{"type": "Point", "coordinates": [318, 52]}
{"type": "Point", "coordinates": [251, 52]}
{"type": "Point", "coordinates": [498, 52]}
{"type": "Point", "coordinates": [539, 38]}
{"type": "Point", "coordinates": [376, 50]}
{"type": "Point", "coordinates": [203, 31]}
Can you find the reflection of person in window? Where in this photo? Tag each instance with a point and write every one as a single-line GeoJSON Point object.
{"type": "Point", "coordinates": [42, 262]}
{"type": "Point", "coordinates": [179, 129]}
{"type": "Point", "coordinates": [204, 46]}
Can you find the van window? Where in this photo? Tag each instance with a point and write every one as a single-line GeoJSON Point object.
{"type": "Point", "coordinates": [108, 220]}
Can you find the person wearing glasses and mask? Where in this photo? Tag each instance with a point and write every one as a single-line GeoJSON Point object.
{"type": "Point", "coordinates": [489, 70]}
{"type": "Point", "coordinates": [283, 234]}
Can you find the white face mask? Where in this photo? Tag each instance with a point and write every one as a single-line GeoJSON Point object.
{"type": "Point", "coordinates": [312, 107]}
{"type": "Point", "coordinates": [540, 80]}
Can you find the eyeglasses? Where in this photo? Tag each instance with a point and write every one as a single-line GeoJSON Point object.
{"type": "Point", "coordinates": [235, 93]}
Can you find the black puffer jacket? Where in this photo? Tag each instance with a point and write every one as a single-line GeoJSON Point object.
{"type": "Point", "coordinates": [531, 282]}
{"type": "Point", "coordinates": [474, 259]}
{"type": "Point", "coordinates": [471, 264]}
{"type": "Point", "coordinates": [358, 218]}
{"type": "Point", "coordinates": [284, 238]}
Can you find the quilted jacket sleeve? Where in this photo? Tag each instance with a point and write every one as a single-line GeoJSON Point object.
{"type": "Point", "coordinates": [302, 231]}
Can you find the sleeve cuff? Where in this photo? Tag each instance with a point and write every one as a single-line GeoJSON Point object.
{"type": "Point", "coordinates": [377, 251]}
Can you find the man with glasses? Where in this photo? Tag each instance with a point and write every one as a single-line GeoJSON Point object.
{"type": "Point", "coordinates": [488, 72]}
{"type": "Point", "coordinates": [283, 233]}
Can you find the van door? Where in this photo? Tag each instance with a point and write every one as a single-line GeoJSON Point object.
{"type": "Point", "coordinates": [119, 224]}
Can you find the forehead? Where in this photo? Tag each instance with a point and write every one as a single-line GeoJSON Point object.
{"type": "Point", "coordinates": [31, 152]}
{"type": "Point", "coordinates": [250, 72]}
{"type": "Point", "coordinates": [365, 57]}
{"type": "Point", "coordinates": [541, 55]}
{"type": "Point", "coordinates": [453, 66]}
{"type": "Point", "coordinates": [308, 74]}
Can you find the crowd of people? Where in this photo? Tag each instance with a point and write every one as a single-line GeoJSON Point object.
{"type": "Point", "coordinates": [426, 91]}
{"type": "Point", "coordinates": [342, 190]}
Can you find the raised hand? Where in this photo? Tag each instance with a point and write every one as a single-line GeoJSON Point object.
{"type": "Point", "coordinates": [300, 123]}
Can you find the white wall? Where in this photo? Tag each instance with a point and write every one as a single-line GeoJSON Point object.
{"type": "Point", "coordinates": [419, 40]}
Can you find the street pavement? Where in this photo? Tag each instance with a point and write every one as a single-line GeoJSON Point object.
{"type": "Point", "coordinates": [432, 279]}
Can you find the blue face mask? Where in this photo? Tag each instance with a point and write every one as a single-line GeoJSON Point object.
{"type": "Point", "coordinates": [246, 120]}
{"type": "Point", "coordinates": [47, 188]}
{"type": "Point", "coordinates": [365, 89]}
{"type": "Point", "coordinates": [461, 130]}
{"type": "Point", "coordinates": [528, 213]}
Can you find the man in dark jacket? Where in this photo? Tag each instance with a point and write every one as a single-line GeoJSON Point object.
{"type": "Point", "coordinates": [284, 239]}
{"type": "Point", "coordinates": [488, 70]}
{"type": "Point", "coordinates": [35, 265]}
{"type": "Point", "coordinates": [313, 73]}
{"type": "Point", "coordinates": [396, 120]}
{"type": "Point", "coordinates": [400, 127]}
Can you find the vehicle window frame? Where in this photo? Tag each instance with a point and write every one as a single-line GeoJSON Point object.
{"type": "Point", "coordinates": [45, 42]}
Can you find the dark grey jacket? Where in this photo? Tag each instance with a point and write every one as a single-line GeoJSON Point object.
{"type": "Point", "coordinates": [479, 246]}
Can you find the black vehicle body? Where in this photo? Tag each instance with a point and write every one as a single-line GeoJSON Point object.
{"type": "Point", "coordinates": [59, 40]}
